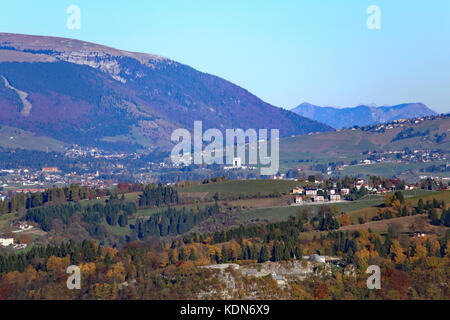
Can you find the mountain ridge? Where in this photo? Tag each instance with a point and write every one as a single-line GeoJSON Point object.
{"type": "Point", "coordinates": [95, 95]}
{"type": "Point", "coordinates": [361, 115]}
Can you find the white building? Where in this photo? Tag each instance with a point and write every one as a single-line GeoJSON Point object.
{"type": "Point", "coordinates": [318, 199]}
{"type": "Point", "coordinates": [335, 197]}
{"type": "Point", "coordinates": [311, 192]}
{"type": "Point", "coordinates": [237, 163]}
{"type": "Point", "coordinates": [297, 190]}
{"type": "Point", "coordinates": [345, 191]}
{"type": "Point", "coordinates": [4, 242]}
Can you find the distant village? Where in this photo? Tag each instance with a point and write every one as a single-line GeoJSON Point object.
{"type": "Point", "coordinates": [333, 193]}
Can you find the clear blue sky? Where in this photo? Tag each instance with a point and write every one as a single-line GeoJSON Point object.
{"type": "Point", "coordinates": [286, 52]}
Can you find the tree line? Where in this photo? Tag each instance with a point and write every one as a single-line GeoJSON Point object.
{"type": "Point", "coordinates": [158, 195]}
{"type": "Point", "coordinates": [72, 193]}
{"type": "Point", "coordinates": [114, 213]}
{"type": "Point", "coordinates": [172, 221]}
{"type": "Point", "coordinates": [38, 256]}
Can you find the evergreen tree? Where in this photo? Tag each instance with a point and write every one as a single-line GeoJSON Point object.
{"type": "Point", "coordinates": [263, 254]}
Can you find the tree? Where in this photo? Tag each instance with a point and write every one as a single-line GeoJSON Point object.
{"type": "Point", "coordinates": [263, 254]}
{"type": "Point", "coordinates": [345, 220]}
{"type": "Point", "coordinates": [445, 217]}
{"type": "Point", "coordinates": [298, 252]}
{"type": "Point", "coordinates": [224, 254]}
{"type": "Point", "coordinates": [420, 206]}
{"type": "Point", "coordinates": [192, 256]}
{"type": "Point", "coordinates": [433, 216]}
{"type": "Point", "coordinates": [397, 254]}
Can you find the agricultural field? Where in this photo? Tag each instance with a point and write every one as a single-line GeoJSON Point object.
{"type": "Point", "coordinates": [365, 206]}
{"type": "Point", "coordinates": [387, 169]}
{"type": "Point", "coordinates": [17, 138]}
{"type": "Point", "coordinates": [265, 187]}
{"type": "Point", "coordinates": [411, 199]}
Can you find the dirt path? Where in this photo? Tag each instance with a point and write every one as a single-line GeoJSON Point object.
{"type": "Point", "coordinates": [23, 97]}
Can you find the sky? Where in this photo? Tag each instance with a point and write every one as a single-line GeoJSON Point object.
{"type": "Point", "coordinates": [285, 52]}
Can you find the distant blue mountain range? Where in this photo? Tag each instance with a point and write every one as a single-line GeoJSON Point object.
{"type": "Point", "coordinates": [363, 115]}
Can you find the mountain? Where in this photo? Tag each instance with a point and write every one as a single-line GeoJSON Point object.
{"type": "Point", "coordinates": [363, 115]}
{"type": "Point", "coordinates": [79, 92]}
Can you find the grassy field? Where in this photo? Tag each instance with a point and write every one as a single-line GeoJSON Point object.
{"type": "Point", "coordinates": [386, 169]}
{"type": "Point", "coordinates": [244, 186]}
{"type": "Point", "coordinates": [5, 220]}
{"type": "Point", "coordinates": [367, 205]}
{"type": "Point", "coordinates": [17, 138]}
{"type": "Point", "coordinates": [283, 213]}
{"type": "Point", "coordinates": [411, 198]}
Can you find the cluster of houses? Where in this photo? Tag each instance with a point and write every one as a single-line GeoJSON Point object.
{"type": "Point", "coordinates": [316, 194]}
{"type": "Point", "coordinates": [23, 226]}
{"type": "Point", "coordinates": [302, 194]}
{"type": "Point", "coordinates": [9, 242]}
{"type": "Point", "coordinates": [32, 180]}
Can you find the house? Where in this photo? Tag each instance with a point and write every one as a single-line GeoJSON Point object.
{"type": "Point", "coordinates": [345, 191]}
{"type": "Point", "coordinates": [50, 169]}
{"type": "Point", "coordinates": [237, 163]}
{"type": "Point", "coordinates": [298, 199]}
{"type": "Point", "coordinates": [332, 191]}
{"type": "Point", "coordinates": [297, 190]}
{"type": "Point", "coordinates": [318, 199]}
{"type": "Point", "coordinates": [4, 242]}
{"type": "Point", "coordinates": [335, 197]}
{"type": "Point", "coordinates": [24, 226]}
{"type": "Point", "coordinates": [29, 190]}
{"type": "Point", "coordinates": [311, 192]}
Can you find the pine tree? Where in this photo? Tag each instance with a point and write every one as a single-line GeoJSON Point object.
{"type": "Point", "coordinates": [263, 254]}
{"type": "Point", "coordinates": [192, 256]}
{"type": "Point", "coordinates": [224, 254]}
{"type": "Point", "coordinates": [298, 252]}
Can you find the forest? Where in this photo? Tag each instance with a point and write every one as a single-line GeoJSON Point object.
{"type": "Point", "coordinates": [163, 256]}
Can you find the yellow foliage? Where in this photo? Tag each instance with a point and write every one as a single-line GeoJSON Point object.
{"type": "Point", "coordinates": [55, 264]}
{"type": "Point", "coordinates": [105, 291]}
{"type": "Point", "coordinates": [116, 272]}
{"type": "Point", "coordinates": [345, 220]}
{"type": "Point", "coordinates": [397, 252]}
{"type": "Point", "coordinates": [418, 251]}
{"type": "Point", "coordinates": [299, 293]}
{"type": "Point", "coordinates": [87, 269]}
{"type": "Point", "coordinates": [111, 251]}
{"type": "Point", "coordinates": [397, 206]}
{"type": "Point", "coordinates": [387, 200]}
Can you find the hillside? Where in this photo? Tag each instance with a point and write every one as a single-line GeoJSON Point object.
{"type": "Point", "coordinates": [381, 138]}
{"type": "Point", "coordinates": [84, 93]}
{"type": "Point", "coordinates": [362, 115]}
{"type": "Point", "coordinates": [403, 149]}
